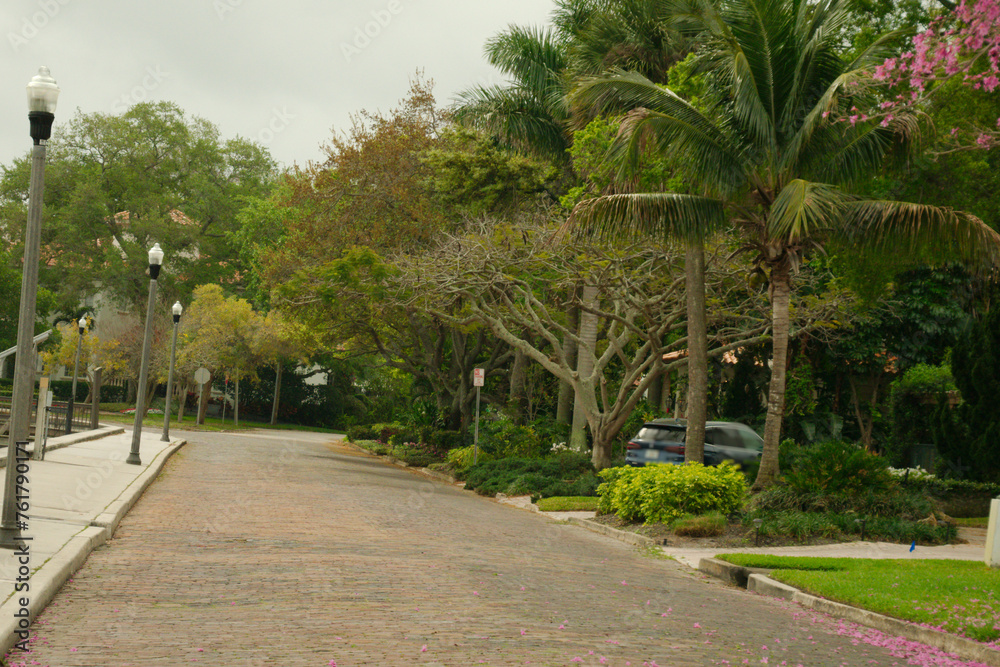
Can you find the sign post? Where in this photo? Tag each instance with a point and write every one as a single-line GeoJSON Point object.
{"type": "Point", "coordinates": [478, 378]}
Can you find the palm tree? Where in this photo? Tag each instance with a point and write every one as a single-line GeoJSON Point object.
{"type": "Point", "coordinates": [531, 115]}
{"type": "Point", "coordinates": [769, 155]}
{"type": "Point", "coordinates": [635, 35]}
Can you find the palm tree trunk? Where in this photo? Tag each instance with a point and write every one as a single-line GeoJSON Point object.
{"type": "Point", "coordinates": [277, 393]}
{"type": "Point", "coordinates": [780, 295]}
{"type": "Point", "coordinates": [584, 367]}
{"type": "Point", "coordinates": [697, 403]}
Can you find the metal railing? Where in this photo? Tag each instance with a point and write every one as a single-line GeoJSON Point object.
{"type": "Point", "coordinates": [82, 416]}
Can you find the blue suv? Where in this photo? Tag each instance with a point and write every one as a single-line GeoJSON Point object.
{"type": "Point", "coordinates": [662, 441]}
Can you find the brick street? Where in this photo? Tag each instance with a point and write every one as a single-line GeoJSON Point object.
{"type": "Point", "coordinates": [291, 549]}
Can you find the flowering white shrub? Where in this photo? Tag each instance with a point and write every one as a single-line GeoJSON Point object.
{"type": "Point", "coordinates": [914, 473]}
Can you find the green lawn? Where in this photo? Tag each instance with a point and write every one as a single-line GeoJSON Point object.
{"type": "Point", "coordinates": [977, 522]}
{"type": "Point", "coordinates": [568, 504]}
{"type": "Point", "coordinates": [112, 415]}
{"type": "Point", "coordinates": [960, 597]}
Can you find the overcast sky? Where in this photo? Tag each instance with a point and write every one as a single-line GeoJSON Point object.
{"type": "Point", "coordinates": [283, 73]}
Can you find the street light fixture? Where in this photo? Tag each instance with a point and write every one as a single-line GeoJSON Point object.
{"type": "Point", "coordinates": [43, 93]}
{"type": "Point", "coordinates": [76, 366]}
{"type": "Point", "coordinates": [177, 310]}
{"type": "Point", "coordinates": [155, 260]}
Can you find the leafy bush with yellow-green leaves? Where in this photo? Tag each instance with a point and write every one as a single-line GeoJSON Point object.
{"type": "Point", "coordinates": [661, 493]}
{"type": "Point", "coordinates": [462, 457]}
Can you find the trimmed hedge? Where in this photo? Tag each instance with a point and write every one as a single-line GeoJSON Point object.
{"type": "Point", "coordinates": [661, 493]}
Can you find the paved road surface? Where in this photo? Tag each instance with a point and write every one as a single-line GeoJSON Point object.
{"type": "Point", "coordinates": [291, 549]}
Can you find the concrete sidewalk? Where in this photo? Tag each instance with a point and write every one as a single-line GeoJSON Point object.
{"type": "Point", "coordinates": [76, 498]}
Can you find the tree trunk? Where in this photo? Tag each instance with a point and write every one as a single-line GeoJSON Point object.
{"type": "Point", "coordinates": [664, 406]}
{"type": "Point", "coordinates": [780, 295]}
{"type": "Point", "coordinates": [518, 381]}
{"type": "Point", "coordinates": [236, 404]}
{"type": "Point", "coordinates": [654, 395]}
{"type": "Point", "coordinates": [601, 457]}
{"type": "Point", "coordinates": [564, 408]}
{"type": "Point", "coordinates": [150, 390]}
{"type": "Point", "coordinates": [584, 367]}
{"type": "Point", "coordinates": [697, 403]}
{"type": "Point", "coordinates": [182, 401]}
{"type": "Point", "coordinates": [130, 391]}
{"type": "Point", "coordinates": [863, 413]}
{"type": "Point", "coordinates": [206, 393]}
{"type": "Point", "coordinates": [277, 393]}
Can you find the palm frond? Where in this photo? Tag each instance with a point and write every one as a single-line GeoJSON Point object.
{"type": "Point", "coordinates": [802, 210]}
{"type": "Point", "coordinates": [515, 117]}
{"type": "Point", "coordinates": [894, 226]}
{"type": "Point", "coordinates": [533, 58]}
{"type": "Point", "coordinates": [663, 216]}
{"type": "Point", "coordinates": [708, 155]}
{"type": "Point", "coordinates": [669, 122]}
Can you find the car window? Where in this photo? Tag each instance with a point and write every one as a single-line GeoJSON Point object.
{"type": "Point", "coordinates": [750, 439]}
{"type": "Point", "coordinates": [729, 438]}
{"type": "Point", "coordinates": [660, 434]}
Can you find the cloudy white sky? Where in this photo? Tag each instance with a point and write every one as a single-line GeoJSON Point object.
{"type": "Point", "coordinates": [283, 73]}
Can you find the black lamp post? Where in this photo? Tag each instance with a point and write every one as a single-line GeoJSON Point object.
{"type": "Point", "coordinates": [43, 93]}
{"type": "Point", "coordinates": [177, 310]}
{"type": "Point", "coordinates": [76, 366]}
{"type": "Point", "coordinates": [155, 260]}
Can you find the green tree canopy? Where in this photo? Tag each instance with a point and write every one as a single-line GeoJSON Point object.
{"type": "Point", "coordinates": [115, 184]}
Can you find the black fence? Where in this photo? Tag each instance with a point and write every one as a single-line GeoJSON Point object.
{"type": "Point", "coordinates": [82, 416]}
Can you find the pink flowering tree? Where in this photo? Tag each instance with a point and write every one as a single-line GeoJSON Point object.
{"type": "Point", "coordinates": [960, 47]}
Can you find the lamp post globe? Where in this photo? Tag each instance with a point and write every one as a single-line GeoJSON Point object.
{"type": "Point", "coordinates": [155, 260]}
{"type": "Point", "coordinates": [43, 94]}
{"type": "Point", "coordinates": [177, 309]}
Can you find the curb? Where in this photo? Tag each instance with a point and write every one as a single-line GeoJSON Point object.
{"type": "Point", "coordinates": [967, 649]}
{"type": "Point", "coordinates": [49, 578]}
{"type": "Point", "coordinates": [116, 510]}
{"type": "Point", "coordinates": [737, 575]}
{"type": "Point", "coordinates": [62, 441]}
{"type": "Point", "coordinates": [755, 580]}
{"type": "Point", "coordinates": [608, 531]}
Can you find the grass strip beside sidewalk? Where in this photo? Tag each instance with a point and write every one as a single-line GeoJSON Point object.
{"type": "Point", "coordinates": [958, 597]}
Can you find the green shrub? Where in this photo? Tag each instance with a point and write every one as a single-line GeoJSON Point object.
{"type": "Point", "coordinates": [404, 437]}
{"type": "Point", "coordinates": [661, 493]}
{"type": "Point", "coordinates": [461, 459]}
{"type": "Point", "coordinates": [563, 475]}
{"type": "Point", "coordinates": [384, 432]}
{"type": "Point", "coordinates": [838, 467]}
{"type": "Point", "coordinates": [897, 502]}
{"type": "Point", "coordinates": [805, 525]}
{"type": "Point", "coordinates": [504, 439]}
{"type": "Point", "coordinates": [356, 433]}
{"type": "Point", "coordinates": [446, 440]}
{"type": "Point", "coordinates": [373, 446]}
{"type": "Point", "coordinates": [414, 456]}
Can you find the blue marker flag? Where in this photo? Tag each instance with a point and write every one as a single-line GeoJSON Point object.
{"type": "Point", "coordinates": [913, 546]}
